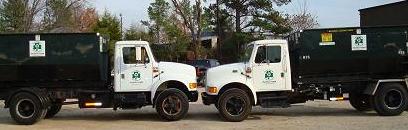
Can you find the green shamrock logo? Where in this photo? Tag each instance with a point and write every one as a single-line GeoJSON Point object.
{"type": "Point", "coordinates": [37, 47]}
{"type": "Point", "coordinates": [268, 75]}
{"type": "Point", "coordinates": [136, 76]}
{"type": "Point", "coordinates": [358, 40]}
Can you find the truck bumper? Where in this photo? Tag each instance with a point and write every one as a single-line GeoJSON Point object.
{"type": "Point", "coordinates": [208, 99]}
{"type": "Point", "coordinates": [193, 96]}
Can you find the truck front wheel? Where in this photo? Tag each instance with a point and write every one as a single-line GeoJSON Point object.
{"type": "Point", "coordinates": [360, 102]}
{"type": "Point", "coordinates": [390, 100]}
{"type": "Point", "coordinates": [26, 108]}
{"type": "Point", "coordinates": [172, 104]}
{"type": "Point", "coordinates": [234, 105]}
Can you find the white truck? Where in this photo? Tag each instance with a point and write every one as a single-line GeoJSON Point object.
{"type": "Point", "coordinates": [275, 73]}
{"type": "Point", "coordinates": [46, 69]}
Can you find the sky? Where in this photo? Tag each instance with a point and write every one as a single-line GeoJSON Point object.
{"type": "Point", "coordinates": [330, 13]}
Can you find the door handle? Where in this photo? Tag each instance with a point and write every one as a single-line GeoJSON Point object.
{"type": "Point", "coordinates": [122, 76]}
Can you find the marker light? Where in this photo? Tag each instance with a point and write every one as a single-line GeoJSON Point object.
{"type": "Point", "coordinates": [93, 104]}
{"type": "Point", "coordinates": [212, 89]}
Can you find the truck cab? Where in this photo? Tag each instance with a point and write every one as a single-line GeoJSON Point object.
{"type": "Point", "coordinates": [165, 85]}
{"type": "Point", "coordinates": [264, 68]}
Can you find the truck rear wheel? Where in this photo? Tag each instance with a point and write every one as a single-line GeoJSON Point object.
{"type": "Point", "coordinates": [234, 105]}
{"type": "Point", "coordinates": [26, 108]}
{"type": "Point", "coordinates": [360, 102]}
{"type": "Point", "coordinates": [172, 104]}
{"type": "Point", "coordinates": [53, 109]}
{"type": "Point", "coordinates": [390, 100]}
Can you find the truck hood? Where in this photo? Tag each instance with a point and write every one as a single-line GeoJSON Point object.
{"type": "Point", "coordinates": [228, 68]}
{"type": "Point", "coordinates": [225, 73]}
{"type": "Point", "coordinates": [177, 68]}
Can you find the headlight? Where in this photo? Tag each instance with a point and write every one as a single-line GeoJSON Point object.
{"type": "Point", "coordinates": [212, 89]}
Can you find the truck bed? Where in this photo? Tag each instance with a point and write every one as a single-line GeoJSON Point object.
{"type": "Point", "coordinates": [328, 55]}
{"type": "Point", "coordinates": [70, 59]}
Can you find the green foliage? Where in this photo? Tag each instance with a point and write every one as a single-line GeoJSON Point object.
{"type": "Point", "coordinates": [163, 28]}
{"type": "Point", "coordinates": [231, 49]}
{"type": "Point", "coordinates": [261, 15]}
{"type": "Point", "coordinates": [58, 13]}
{"type": "Point", "coordinates": [239, 20]}
{"type": "Point", "coordinates": [13, 15]}
{"type": "Point", "coordinates": [3, 23]}
{"type": "Point", "coordinates": [109, 25]}
{"type": "Point", "coordinates": [45, 15]}
{"type": "Point", "coordinates": [137, 33]}
{"type": "Point", "coordinates": [159, 11]}
{"type": "Point", "coordinates": [2, 27]}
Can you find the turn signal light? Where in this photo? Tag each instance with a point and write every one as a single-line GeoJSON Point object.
{"type": "Point", "coordinates": [192, 85]}
{"type": "Point", "coordinates": [212, 89]}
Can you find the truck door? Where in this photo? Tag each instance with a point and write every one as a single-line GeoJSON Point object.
{"type": "Point", "coordinates": [135, 69]}
{"type": "Point", "coordinates": [267, 71]}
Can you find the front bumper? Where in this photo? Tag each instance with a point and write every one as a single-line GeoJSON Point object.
{"type": "Point", "coordinates": [208, 99]}
{"type": "Point", "coordinates": [193, 96]}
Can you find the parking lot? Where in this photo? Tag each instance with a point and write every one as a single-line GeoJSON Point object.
{"type": "Point", "coordinates": [312, 115]}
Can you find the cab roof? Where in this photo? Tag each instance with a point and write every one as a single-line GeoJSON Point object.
{"type": "Point", "coordinates": [132, 42]}
{"type": "Point", "coordinates": [274, 41]}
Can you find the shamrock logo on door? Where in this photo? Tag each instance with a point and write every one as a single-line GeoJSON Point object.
{"type": "Point", "coordinates": [268, 75]}
{"type": "Point", "coordinates": [136, 75]}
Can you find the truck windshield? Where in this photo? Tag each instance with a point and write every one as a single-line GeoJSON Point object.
{"type": "Point", "coordinates": [247, 54]}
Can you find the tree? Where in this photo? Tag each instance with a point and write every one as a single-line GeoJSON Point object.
{"type": "Point", "coordinates": [165, 28]}
{"type": "Point", "coordinates": [46, 16]}
{"type": "Point", "coordinates": [256, 15]}
{"type": "Point", "coordinates": [191, 16]}
{"type": "Point", "coordinates": [20, 15]}
{"type": "Point", "coordinates": [158, 12]}
{"type": "Point", "coordinates": [303, 19]}
{"type": "Point", "coordinates": [240, 21]}
{"type": "Point", "coordinates": [109, 25]}
{"type": "Point", "coordinates": [87, 19]}
{"type": "Point", "coordinates": [137, 32]}
{"type": "Point", "coordinates": [68, 16]}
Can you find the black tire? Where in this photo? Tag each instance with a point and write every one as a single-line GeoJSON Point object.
{"type": "Point", "coordinates": [360, 102]}
{"type": "Point", "coordinates": [390, 100]}
{"type": "Point", "coordinates": [172, 104]}
{"type": "Point", "coordinates": [26, 108]}
{"type": "Point", "coordinates": [234, 105]}
{"type": "Point", "coordinates": [53, 109]}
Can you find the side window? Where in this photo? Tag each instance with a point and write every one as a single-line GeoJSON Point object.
{"type": "Point", "coordinates": [129, 55]}
{"type": "Point", "coordinates": [261, 55]}
{"type": "Point", "coordinates": [135, 55]}
{"type": "Point", "coordinates": [144, 56]}
{"type": "Point", "coordinates": [268, 54]}
{"type": "Point", "coordinates": [274, 54]}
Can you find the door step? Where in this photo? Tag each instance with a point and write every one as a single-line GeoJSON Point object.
{"type": "Point", "coordinates": [274, 102]}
